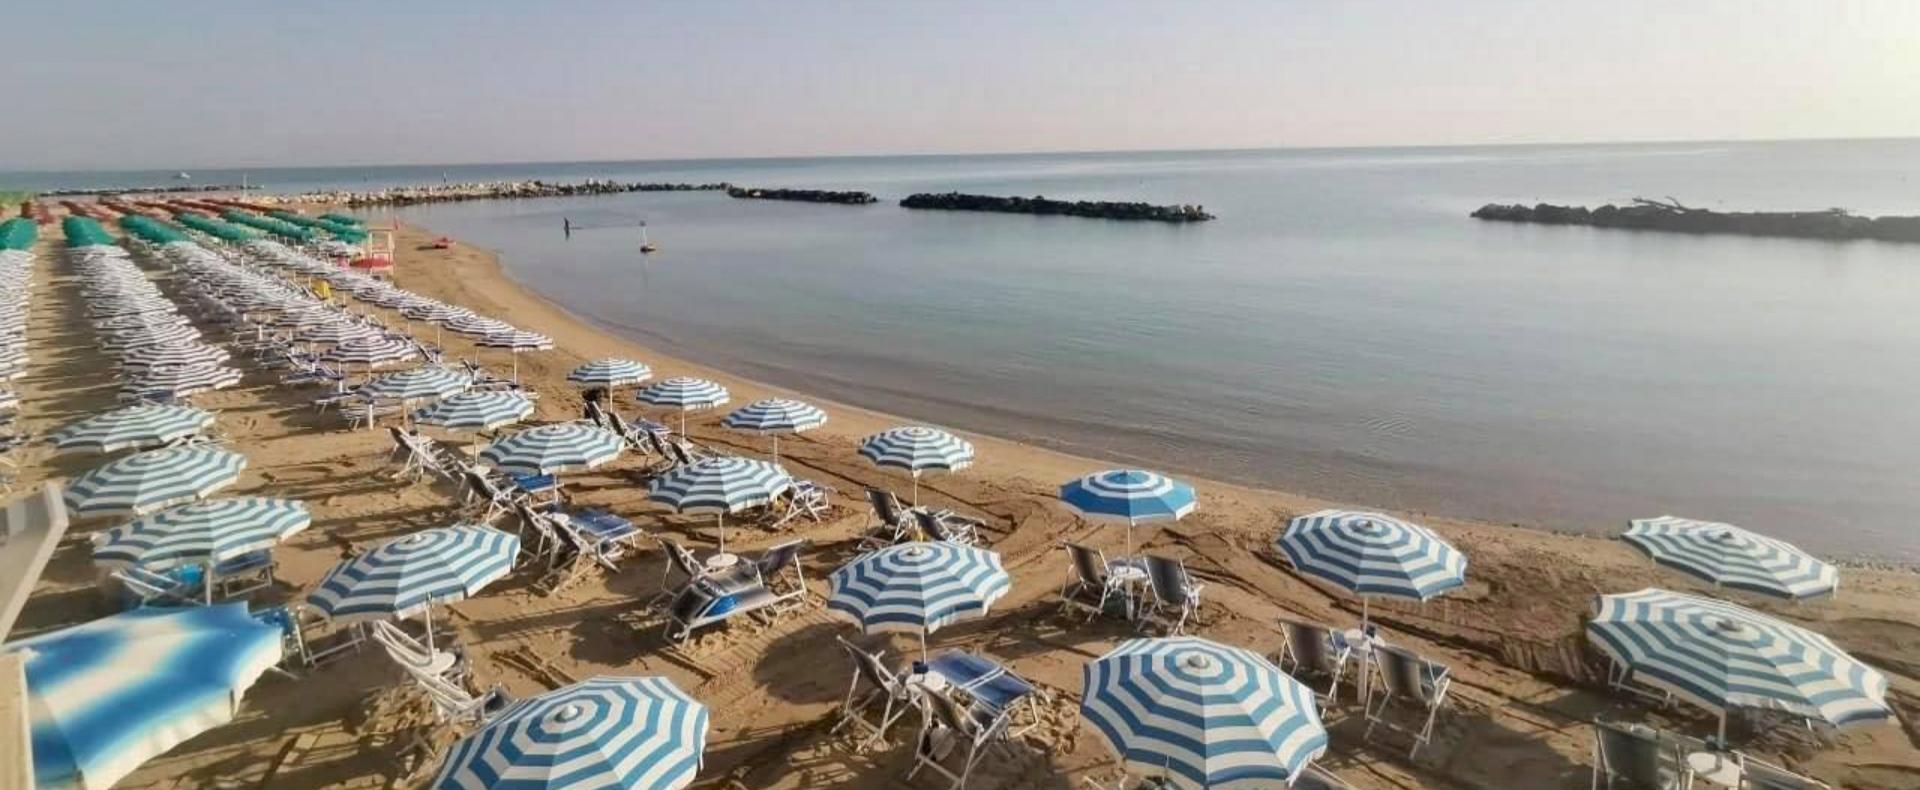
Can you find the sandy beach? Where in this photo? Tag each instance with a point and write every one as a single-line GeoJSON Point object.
{"type": "Point", "coordinates": [1525, 686]}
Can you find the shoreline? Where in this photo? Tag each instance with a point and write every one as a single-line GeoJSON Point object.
{"type": "Point", "coordinates": [496, 268]}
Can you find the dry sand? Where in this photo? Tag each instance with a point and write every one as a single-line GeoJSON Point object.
{"type": "Point", "coordinates": [1522, 698]}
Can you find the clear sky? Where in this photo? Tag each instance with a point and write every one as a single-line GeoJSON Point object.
{"type": "Point", "coordinates": [199, 84]}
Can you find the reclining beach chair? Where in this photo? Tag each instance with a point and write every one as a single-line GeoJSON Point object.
{"type": "Point", "coordinates": [1636, 757]}
{"type": "Point", "coordinates": [244, 574]}
{"type": "Point", "coordinates": [299, 643]}
{"type": "Point", "coordinates": [368, 412]}
{"type": "Point", "coordinates": [409, 654]}
{"type": "Point", "coordinates": [778, 570]}
{"type": "Point", "coordinates": [606, 538]}
{"type": "Point", "coordinates": [990, 685]}
{"type": "Point", "coordinates": [889, 690]}
{"type": "Point", "coordinates": [1402, 676]}
{"type": "Point", "coordinates": [973, 729]}
{"type": "Point", "coordinates": [1757, 775]}
{"type": "Point", "coordinates": [946, 526]}
{"type": "Point", "coordinates": [1309, 650]}
{"type": "Point", "coordinates": [1088, 585]}
{"type": "Point", "coordinates": [1317, 778]}
{"type": "Point", "coordinates": [143, 587]}
{"type": "Point", "coordinates": [804, 498]}
{"type": "Point", "coordinates": [892, 521]}
{"type": "Point", "coordinates": [486, 501]}
{"type": "Point", "coordinates": [704, 602]}
{"type": "Point", "coordinates": [1175, 594]}
{"type": "Point", "coordinates": [452, 703]}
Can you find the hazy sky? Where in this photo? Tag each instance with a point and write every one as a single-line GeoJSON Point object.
{"type": "Point", "coordinates": [197, 84]}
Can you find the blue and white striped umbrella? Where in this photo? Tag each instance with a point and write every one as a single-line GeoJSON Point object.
{"type": "Point", "coordinates": [417, 384]}
{"type": "Point", "coordinates": [475, 325]}
{"type": "Point", "coordinates": [178, 382]}
{"type": "Point", "coordinates": [561, 447]}
{"type": "Point", "coordinates": [371, 351]}
{"type": "Point", "coordinates": [917, 587]}
{"type": "Point", "coordinates": [722, 485]}
{"type": "Point", "coordinates": [134, 426]}
{"type": "Point", "coordinates": [476, 410]}
{"type": "Point", "coordinates": [609, 373]}
{"type": "Point", "coordinates": [149, 481]}
{"type": "Point", "coordinates": [108, 695]}
{"type": "Point", "coordinates": [606, 732]}
{"type": "Point", "coordinates": [1129, 495]}
{"type": "Point", "coordinates": [209, 531]}
{"type": "Point", "coordinates": [405, 575]}
{"type": "Point", "coordinates": [775, 416]}
{"type": "Point", "coordinates": [186, 353]}
{"type": "Point", "coordinates": [1718, 655]}
{"type": "Point", "coordinates": [686, 394]}
{"type": "Point", "coordinates": [917, 448]}
{"type": "Point", "coordinates": [516, 341]}
{"type": "Point", "coordinates": [1371, 554]}
{"type": "Point", "coordinates": [335, 330]}
{"type": "Point", "coordinates": [1202, 715]}
{"type": "Point", "coordinates": [1728, 556]}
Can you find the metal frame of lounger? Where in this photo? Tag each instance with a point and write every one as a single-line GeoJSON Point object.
{"type": "Point", "coordinates": [1635, 755]}
{"type": "Point", "coordinates": [941, 713]}
{"type": "Point", "coordinates": [1310, 648]}
{"type": "Point", "coordinates": [1172, 588]}
{"type": "Point", "coordinates": [1403, 674]}
{"type": "Point", "coordinates": [888, 686]}
{"type": "Point", "coordinates": [1087, 574]}
{"type": "Point", "coordinates": [805, 498]}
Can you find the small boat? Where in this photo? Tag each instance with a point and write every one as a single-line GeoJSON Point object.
{"type": "Point", "coordinates": [182, 176]}
{"type": "Point", "coordinates": [442, 243]}
{"type": "Point", "coordinates": [645, 246]}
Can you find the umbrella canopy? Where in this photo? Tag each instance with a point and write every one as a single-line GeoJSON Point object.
{"type": "Point", "coordinates": [134, 426]}
{"type": "Point", "coordinates": [435, 312]}
{"type": "Point", "coordinates": [1373, 554]}
{"type": "Point", "coordinates": [634, 732]}
{"type": "Point", "coordinates": [476, 325]}
{"type": "Point", "coordinates": [725, 484]}
{"type": "Point", "coordinates": [185, 353]}
{"type": "Point", "coordinates": [108, 695]}
{"type": "Point", "coordinates": [1718, 655]}
{"type": "Point", "coordinates": [1201, 714]}
{"type": "Point", "coordinates": [917, 449]}
{"type": "Point", "coordinates": [1728, 556]}
{"type": "Point", "coordinates": [561, 447]}
{"type": "Point", "coordinates": [335, 330]}
{"type": "Point", "coordinates": [516, 339]}
{"type": "Point", "coordinates": [686, 394]}
{"type": "Point", "coordinates": [179, 382]}
{"type": "Point", "coordinates": [402, 576]}
{"type": "Point", "coordinates": [210, 531]}
{"type": "Point", "coordinates": [609, 373]}
{"type": "Point", "coordinates": [917, 587]}
{"type": "Point", "coordinates": [416, 384]}
{"type": "Point", "coordinates": [476, 410]}
{"type": "Point", "coordinates": [370, 350]}
{"type": "Point", "coordinates": [775, 416]}
{"type": "Point", "coordinates": [1129, 495]}
{"type": "Point", "coordinates": [146, 482]}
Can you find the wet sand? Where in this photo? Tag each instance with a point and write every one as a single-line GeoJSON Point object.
{"type": "Point", "coordinates": [1524, 688]}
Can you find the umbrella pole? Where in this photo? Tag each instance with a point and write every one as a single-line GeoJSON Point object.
{"type": "Point", "coordinates": [776, 449]}
{"type": "Point", "coordinates": [721, 521]}
{"type": "Point", "coordinates": [516, 365]}
{"type": "Point", "coordinates": [923, 646]}
{"type": "Point", "coordinates": [207, 582]}
{"type": "Point", "coordinates": [1129, 554]}
{"type": "Point", "coordinates": [426, 614]}
{"type": "Point", "coordinates": [916, 489]}
{"type": "Point", "coordinates": [1366, 611]}
{"type": "Point", "coordinates": [683, 422]}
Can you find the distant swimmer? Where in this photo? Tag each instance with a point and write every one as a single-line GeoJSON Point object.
{"type": "Point", "coordinates": [566, 226]}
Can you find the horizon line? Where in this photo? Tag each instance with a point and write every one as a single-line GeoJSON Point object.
{"type": "Point", "coordinates": [986, 154]}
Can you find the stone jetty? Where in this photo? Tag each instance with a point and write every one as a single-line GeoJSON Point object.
{"type": "Point", "coordinates": [849, 198]}
{"type": "Point", "coordinates": [148, 190]}
{"type": "Point", "coordinates": [1670, 216]}
{"type": "Point", "coordinates": [1099, 209]}
{"type": "Point", "coordinates": [482, 190]}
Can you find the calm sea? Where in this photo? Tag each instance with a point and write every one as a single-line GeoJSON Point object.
{"type": "Point", "coordinates": [1343, 329]}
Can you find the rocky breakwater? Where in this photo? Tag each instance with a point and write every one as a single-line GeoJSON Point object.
{"type": "Point", "coordinates": [482, 190]}
{"type": "Point", "coordinates": [1099, 209]}
{"type": "Point", "coordinates": [1670, 216]}
{"type": "Point", "coordinates": [803, 195]}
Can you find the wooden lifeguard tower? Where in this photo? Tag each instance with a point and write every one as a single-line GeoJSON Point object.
{"type": "Point", "coordinates": [376, 253]}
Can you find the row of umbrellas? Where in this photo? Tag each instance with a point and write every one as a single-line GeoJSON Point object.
{"type": "Point", "coordinates": [162, 355]}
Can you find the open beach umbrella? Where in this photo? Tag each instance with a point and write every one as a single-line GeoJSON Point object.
{"type": "Point", "coordinates": [1719, 655]}
{"type": "Point", "coordinates": [1371, 554]}
{"type": "Point", "coordinates": [1129, 495]}
{"type": "Point", "coordinates": [547, 449]}
{"type": "Point", "coordinates": [334, 330]}
{"type": "Point", "coordinates": [106, 696]}
{"type": "Point", "coordinates": [476, 325]}
{"type": "Point", "coordinates": [417, 384]}
{"type": "Point", "coordinates": [917, 449]}
{"type": "Point", "coordinates": [1728, 556]}
{"type": "Point", "coordinates": [722, 485]}
{"type": "Point", "coordinates": [516, 341]}
{"type": "Point", "coordinates": [371, 351]}
{"type": "Point", "coordinates": [178, 382]}
{"type": "Point", "coordinates": [775, 416]}
{"type": "Point", "coordinates": [917, 587]}
{"type": "Point", "coordinates": [1199, 714]}
{"type": "Point", "coordinates": [476, 410]}
{"type": "Point", "coordinates": [609, 373]}
{"type": "Point", "coordinates": [142, 337]}
{"type": "Point", "coordinates": [407, 575]}
{"type": "Point", "coordinates": [207, 532]}
{"type": "Point", "coordinates": [146, 482]}
{"type": "Point", "coordinates": [605, 732]}
{"type": "Point", "coordinates": [9, 400]}
{"type": "Point", "coordinates": [686, 394]}
{"type": "Point", "coordinates": [185, 353]}
{"type": "Point", "coordinates": [134, 426]}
